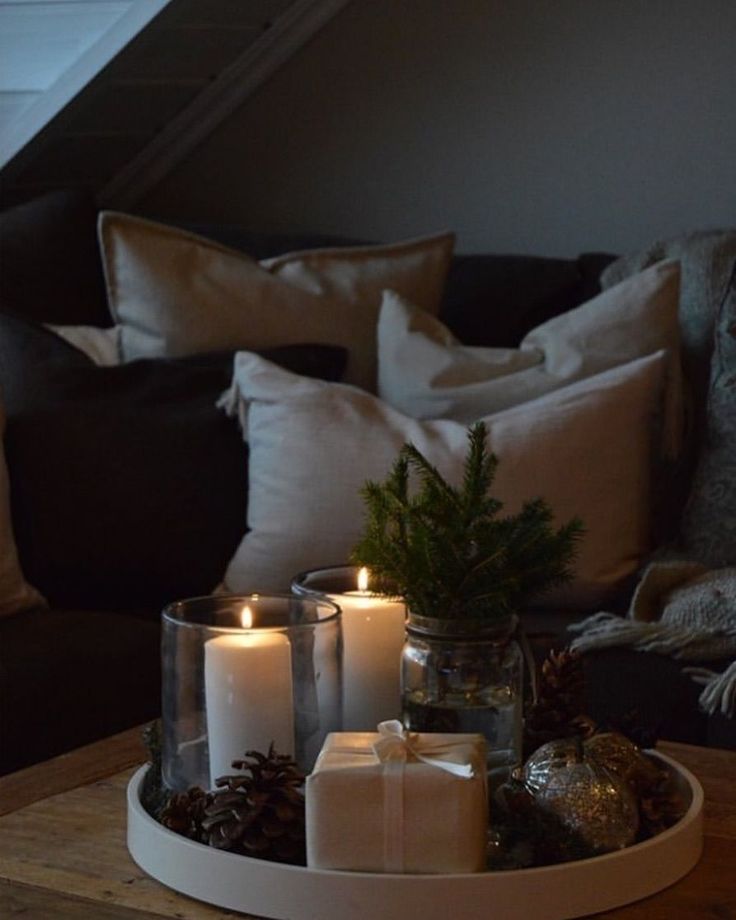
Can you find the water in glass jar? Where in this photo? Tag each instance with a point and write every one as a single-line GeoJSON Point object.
{"type": "Point", "coordinates": [497, 718]}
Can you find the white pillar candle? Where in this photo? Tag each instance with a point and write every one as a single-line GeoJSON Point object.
{"type": "Point", "coordinates": [373, 637]}
{"type": "Point", "coordinates": [248, 695]}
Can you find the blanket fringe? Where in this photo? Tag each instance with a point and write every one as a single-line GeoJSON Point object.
{"type": "Point", "coordinates": [606, 630]}
{"type": "Point", "coordinates": [720, 689]}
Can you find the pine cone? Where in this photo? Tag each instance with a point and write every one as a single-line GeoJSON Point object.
{"type": "Point", "coordinates": [558, 711]}
{"type": "Point", "coordinates": [259, 812]}
{"type": "Point", "coordinates": [661, 803]}
{"type": "Point", "coordinates": [660, 810]}
{"type": "Point", "coordinates": [184, 813]}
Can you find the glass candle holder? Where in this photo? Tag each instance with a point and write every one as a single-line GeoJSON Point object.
{"type": "Point", "coordinates": [242, 672]}
{"type": "Point", "coordinates": [373, 637]}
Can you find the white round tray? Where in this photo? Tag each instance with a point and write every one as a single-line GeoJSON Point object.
{"type": "Point", "coordinates": [286, 892]}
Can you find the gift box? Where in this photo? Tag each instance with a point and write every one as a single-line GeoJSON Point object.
{"type": "Point", "coordinates": [394, 801]}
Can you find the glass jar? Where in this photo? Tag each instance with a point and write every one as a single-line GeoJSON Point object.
{"type": "Point", "coordinates": [241, 672]}
{"type": "Point", "coordinates": [466, 676]}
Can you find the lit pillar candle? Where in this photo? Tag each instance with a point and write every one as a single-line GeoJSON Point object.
{"type": "Point", "coordinates": [373, 637]}
{"type": "Point", "coordinates": [248, 695]}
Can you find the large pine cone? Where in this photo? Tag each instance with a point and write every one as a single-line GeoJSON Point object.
{"type": "Point", "coordinates": [259, 812]}
{"type": "Point", "coordinates": [558, 711]}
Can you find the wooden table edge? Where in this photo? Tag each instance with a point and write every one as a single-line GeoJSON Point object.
{"type": "Point", "coordinates": [79, 767]}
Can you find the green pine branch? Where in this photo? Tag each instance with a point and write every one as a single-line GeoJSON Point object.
{"type": "Point", "coordinates": [447, 551]}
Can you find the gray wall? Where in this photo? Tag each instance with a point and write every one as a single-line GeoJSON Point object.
{"type": "Point", "coordinates": [541, 126]}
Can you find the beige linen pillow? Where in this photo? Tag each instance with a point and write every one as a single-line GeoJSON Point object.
{"type": "Point", "coordinates": [175, 293]}
{"type": "Point", "coordinates": [15, 593]}
{"type": "Point", "coordinates": [584, 448]}
{"type": "Point", "coordinates": [424, 372]}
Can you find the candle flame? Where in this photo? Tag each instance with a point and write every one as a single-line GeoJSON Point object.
{"type": "Point", "coordinates": [246, 617]}
{"type": "Point", "coordinates": [363, 579]}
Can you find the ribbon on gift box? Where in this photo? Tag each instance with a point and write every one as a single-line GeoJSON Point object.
{"type": "Point", "coordinates": [395, 744]}
{"type": "Point", "coordinates": [395, 747]}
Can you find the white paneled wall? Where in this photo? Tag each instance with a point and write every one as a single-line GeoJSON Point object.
{"type": "Point", "coordinates": [12, 104]}
{"type": "Point", "coordinates": [49, 49]}
{"type": "Point", "coordinates": [108, 94]}
{"type": "Point", "coordinates": [40, 40]}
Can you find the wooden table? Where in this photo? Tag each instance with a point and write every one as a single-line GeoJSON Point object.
{"type": "Point", "coordinates": [63, 853]}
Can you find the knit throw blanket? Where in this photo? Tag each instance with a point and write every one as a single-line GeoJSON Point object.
{"type": "Point", "coordinates": [680, 609]}
{"type": "Point", "coordinates": [706, 259]}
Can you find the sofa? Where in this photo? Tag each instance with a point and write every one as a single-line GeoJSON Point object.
{"type": "Point", "coordinates": [128, 484]}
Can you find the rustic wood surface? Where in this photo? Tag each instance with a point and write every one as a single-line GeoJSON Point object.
{"type": "Point", "coordinates": [63, 853]}
{"type": "Point", "coordinates": [77, 768]}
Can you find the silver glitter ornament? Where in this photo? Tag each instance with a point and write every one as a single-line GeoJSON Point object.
{"type": "Point", "coordinates": [589, 799]}
{"type": "Point", "coordinates": [622, 757]}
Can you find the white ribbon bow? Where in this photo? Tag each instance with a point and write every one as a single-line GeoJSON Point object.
{"type": "Point", "coordinates": [397, 745]}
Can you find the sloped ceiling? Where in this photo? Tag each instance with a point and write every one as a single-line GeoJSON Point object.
{"type": "Point", "coordinates": [159, 96]}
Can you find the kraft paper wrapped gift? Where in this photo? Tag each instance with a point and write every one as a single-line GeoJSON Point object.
{"type": "Point", "coordinates": [395, 801]}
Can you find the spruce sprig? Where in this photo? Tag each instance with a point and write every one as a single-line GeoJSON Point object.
{"type": "Point", "coordinates": [447, 551]}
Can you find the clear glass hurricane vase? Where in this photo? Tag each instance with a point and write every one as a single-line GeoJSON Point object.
{"type": "Point", "coordinates": [241, 672]}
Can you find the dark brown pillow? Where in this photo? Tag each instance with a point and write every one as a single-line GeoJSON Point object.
{"type": "Point", "coordinates": [128, 485]}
